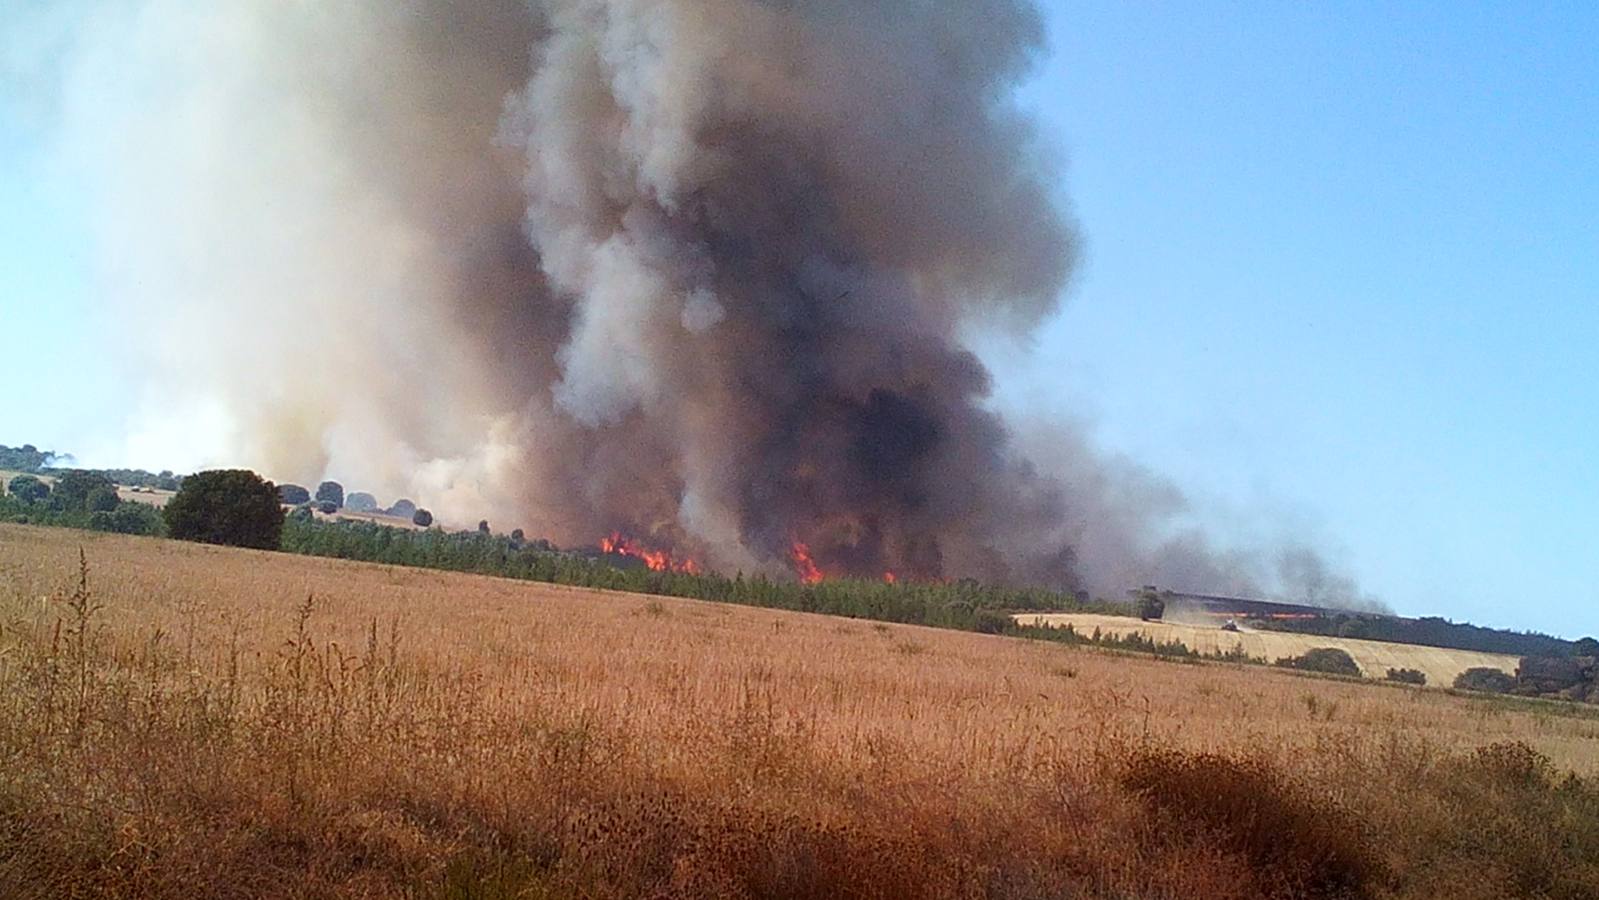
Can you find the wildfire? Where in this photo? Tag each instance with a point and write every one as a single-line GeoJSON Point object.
{"type": "Point", "coordinates": [1250, 615]}
{"type": "Point", "coordinates": [890, 578]}
{"type": "Point", "coordinates": [804, 566]}
{"type": "Point", "coordinates": [657, 560]}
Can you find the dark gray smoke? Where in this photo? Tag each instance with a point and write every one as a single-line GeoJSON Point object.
{"type": "Point", "coordinates": [770, 220]}
{"type": "Point", "coordinates": [692, 270]}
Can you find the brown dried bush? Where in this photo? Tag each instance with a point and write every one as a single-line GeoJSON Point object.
{"type": "Point", "coordinates": [1299, 842]}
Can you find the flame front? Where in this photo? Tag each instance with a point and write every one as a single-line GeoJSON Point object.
{"type": "Point", "coordinates": [804, 566]}
{"type": "Point", "coordinates": [657, 560]}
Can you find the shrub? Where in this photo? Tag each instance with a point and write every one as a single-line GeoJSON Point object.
{"type": "Point", "coordinates": [988, 621]}
{"type": "Point", "coordinates": [1306, 844]}
{"type": "Point", "coordinates": [227, 506]}
{"type": "Point", "coordinates": [136, 518]}
{"type": "Point", "coordinates": [1407, 676]}
{"type": "Point", "coordinates": [1485, 679]}
{"type": "Point", "coordinates": [483, 526]}
{"type": "Point", "coordinates": [29, 489]}
{"type": "Point", "coordinates": [72, 490]}
{"type": "Point", "coordinates": [102, 499]}
{"type": "Point", "coordinates": [330, 492]}
{"type": "Point", "coordinates": [1512, 764]}
{"type": "Point", "coordinates": [1330, 660]}
{"type": "Point", "coordinates": [422, 517]}
{"type": "Point", "coordinates": [127, 518]}
{"type": "Point", "coordinates": [293, 494]}
{"type": "Point", "coordinates": [362, 502]}
{"type": "Point", "coordinates": [1534, 830]}
{"type": "Point", "coordinates": [327, 507]}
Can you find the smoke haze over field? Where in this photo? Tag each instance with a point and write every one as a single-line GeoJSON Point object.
{"type": "Point", "coordinates": [690, 270]}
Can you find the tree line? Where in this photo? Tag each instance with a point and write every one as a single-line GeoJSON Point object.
{"type": "Point", "coordinates": [966, 605]}
{"type": "Point", "coordinates": [77, 498]}
{"type": "Point", "coordinates": [1431, 631]}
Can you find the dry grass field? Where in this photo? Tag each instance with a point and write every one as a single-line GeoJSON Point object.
{"type": "Point", "coordinates": [1375, 658]}
{"type": "Point", "coordinates": [194, 725]}
{"type": "Point", "coordinates": [376, 517]}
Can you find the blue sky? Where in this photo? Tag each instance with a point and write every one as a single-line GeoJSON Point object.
{"type": "Point", "coordinates": [1341, 276]}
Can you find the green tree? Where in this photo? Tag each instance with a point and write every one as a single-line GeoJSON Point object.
{"type": "Point", "coordinates": [227, 506]}
{"type": "Point", "coordinates": [102, 499]}
{"type": "Point", "coordinates": [26, 458]}
{"type": "Point", "coordinates": [293, 494]}
{"type": "Point", "coordinates": [136, 518]}
{"type": "Point", "coordinates": [422, 517]}
{"type": "Point", "coordinates": [29, 489]}
{"type": "Point", "coordinates": [73, 487]}
{"type": "Point", "coordinates": [331, 492]}
{"type": "Point", "coordinates": [1485, 678]}
{"type": "Point", "coordinates": [1331, 660]}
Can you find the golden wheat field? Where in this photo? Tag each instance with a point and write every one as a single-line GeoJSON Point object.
{"type": "Point", "coordinates": [204, 721]}
{"type": "Point", "coordinates": [1375, 658]}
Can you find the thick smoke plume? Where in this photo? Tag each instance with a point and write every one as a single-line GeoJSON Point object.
{"type": "Point", "coordinates": [689, 270]}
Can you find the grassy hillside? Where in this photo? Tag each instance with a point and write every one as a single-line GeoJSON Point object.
{"type": "Point", "coordinates": [1375, 658]}
{"type": "Point", "coordinates": [192, 725]}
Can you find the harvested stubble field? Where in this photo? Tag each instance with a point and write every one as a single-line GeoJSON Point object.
{"type": "Point", "coordinates": [1375, 658]}
{"type": "Point", "coordinates": [192, 726]}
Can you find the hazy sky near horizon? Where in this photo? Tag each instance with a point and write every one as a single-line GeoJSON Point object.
{"type": "Point", "coordinates": [1341, 278]}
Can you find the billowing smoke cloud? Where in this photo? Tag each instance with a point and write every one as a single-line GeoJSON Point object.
{"type": "Point", "coordinates": [693, 270]}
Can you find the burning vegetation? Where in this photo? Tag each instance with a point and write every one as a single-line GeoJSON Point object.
{"type": "Point", "coordinates": [701, 272]}
{"type": "Point", "coordinates": [656, 560]}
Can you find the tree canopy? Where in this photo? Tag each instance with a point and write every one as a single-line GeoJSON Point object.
{"type": "Point", "coordinates": [74, 487]}
{"type": "Point", "coordinates": [28, 489]}
{"type": "Point", "coordinates": [293, 494]}
{"type": "Point", "coordinates": [331, 491]}
{"type": "Point", "coordinates": [227, 506]}
{"type": "Point", "coordinates": [26, 458]}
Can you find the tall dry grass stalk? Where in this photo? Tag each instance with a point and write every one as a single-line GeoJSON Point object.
{"type": "Point", "coordinates": [180, 721]}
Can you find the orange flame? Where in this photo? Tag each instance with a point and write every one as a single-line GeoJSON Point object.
{"type": "Point", "coordinates": [804, 566]}
{"type": "Point", "coordinates": [890, 577]}
{"type": "Point", "coordinates": [657, 560]}
{"type": "Point", "coordinates": [1250, 615]}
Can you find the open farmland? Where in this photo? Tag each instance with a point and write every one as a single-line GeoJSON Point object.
{"type": "Point", "coordinates": [192, 726]}
{"type": "Point", "coordinates": [1375, 658]}
{"type": "Point", "coordinates": [152, 496]}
